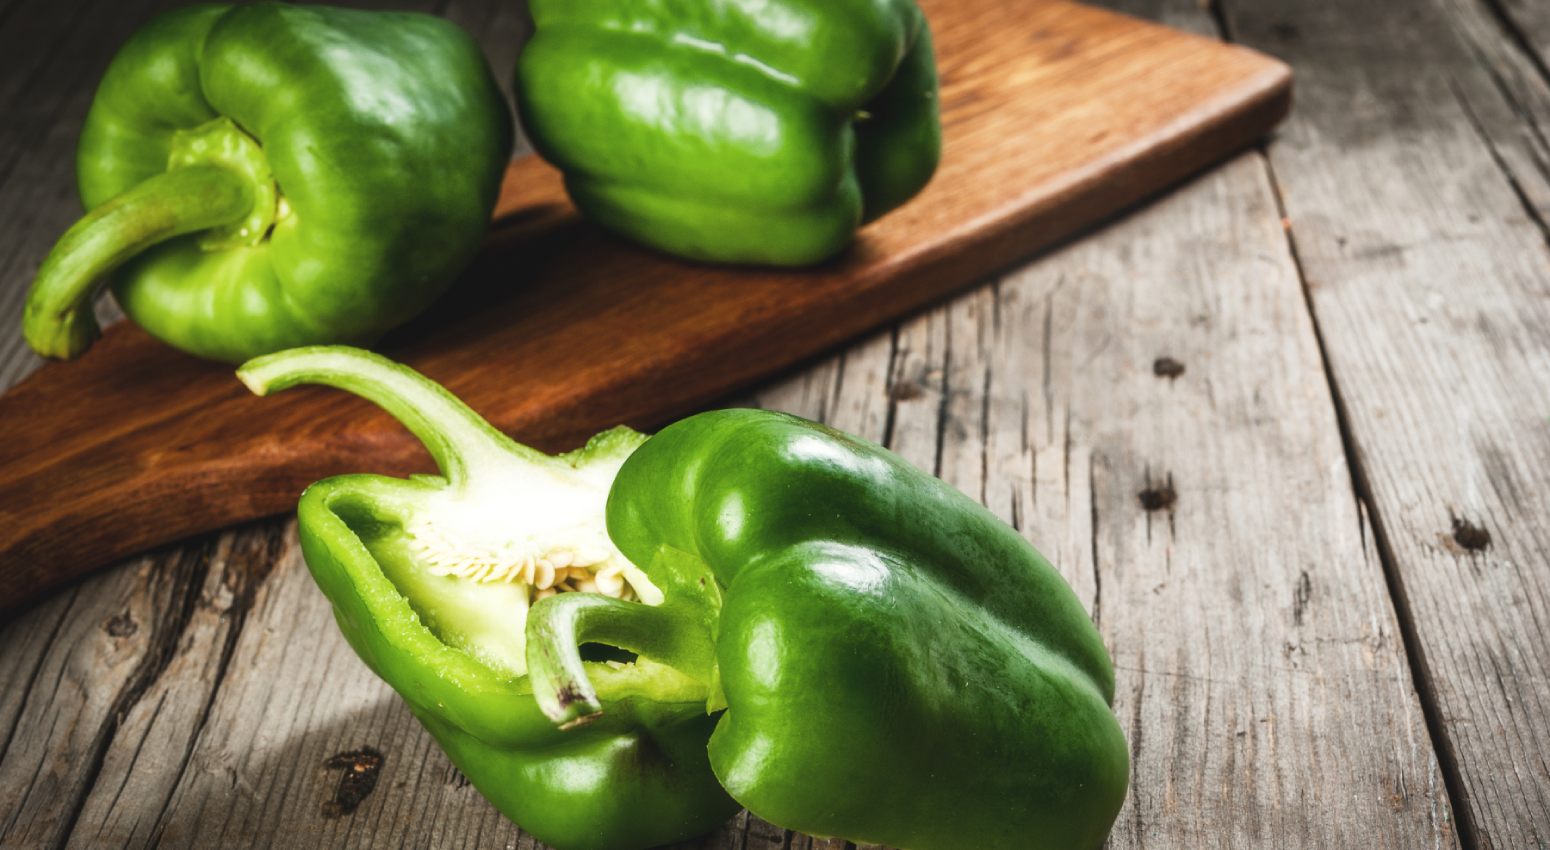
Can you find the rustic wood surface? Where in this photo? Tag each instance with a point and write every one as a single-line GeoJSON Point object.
{"type": "Point", "coordinates": [1286, 430]}
{"type": "Point", "coordinates": [1053, 116]}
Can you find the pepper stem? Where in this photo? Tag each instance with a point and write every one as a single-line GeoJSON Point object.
{"type": "Point", "coordinates": [679, 633]}
{"type": "Point", "coordinates": [59, 321]}
{"type": "Point", "coordinates": [457, 438]}
{"type": "Point", "coordinates": [558, 625]}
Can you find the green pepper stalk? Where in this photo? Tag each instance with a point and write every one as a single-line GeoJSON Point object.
{"type": "Point", "coordinates": [59, 321]}
{"type": "Point", "coordinates": [743, 131]}
{"type": "Point", "coordinates": [433, 578]}
{"type": "Point", "coordinates": [849, 646]}
{"type": "Point", "coordinates": [265, 176]}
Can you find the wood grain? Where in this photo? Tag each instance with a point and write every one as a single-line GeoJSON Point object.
{"type": "Point", "coordinates": [1417, 195]}
{"type": "Point", "coordinates": [1055, 115]}
{"type": "Point", "coordinates": [101, 731]}
{"type": "Point", "coordinates": [1230, 571]}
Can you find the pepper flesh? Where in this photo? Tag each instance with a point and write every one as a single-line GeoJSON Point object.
{"type": "Point", "coordinates": [747, 131]}
{"type": "Point", "coordinates": [268, 175]}
{"type": "Point", "coordinates": [451, 642]}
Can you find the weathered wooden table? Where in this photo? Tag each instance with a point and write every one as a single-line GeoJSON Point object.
{"type": "Point", "coordinates": [1286, 430]}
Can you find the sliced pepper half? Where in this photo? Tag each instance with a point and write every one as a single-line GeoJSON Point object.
{"type": "Point", "coordinates": [432, 580]}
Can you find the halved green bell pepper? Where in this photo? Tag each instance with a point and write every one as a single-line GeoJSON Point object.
{"type": "Point", "coordinates": [432, 578]}
{"type": "Point", "coordinates": [846, 645]}
{"type": "Point", "coordinates": [271, 175]}
{"type": "Point", "coordinates": [748, 131]}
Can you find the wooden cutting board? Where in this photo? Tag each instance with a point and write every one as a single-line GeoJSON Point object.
{"type": "Point", "coordinates": [1055, 116]}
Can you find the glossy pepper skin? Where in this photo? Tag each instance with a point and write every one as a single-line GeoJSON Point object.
{"type": "Point", "coordinates": [744, 131]}
{"type": "Point", "coordinates": [451, 645]}
{"type": "Point", "coordinates": [271, 175]}
{"type": "Point", "coordinates": [897, 666]}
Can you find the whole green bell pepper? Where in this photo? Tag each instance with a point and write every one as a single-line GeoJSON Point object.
{"type": "Point", "coordinates": [850, 646]}
{"type": "Point", "coordinates": [269, 175]}
{"type": "Point", "coordinates": [897, 665]}
{"type": "Point", "coordinates": [749, 131]}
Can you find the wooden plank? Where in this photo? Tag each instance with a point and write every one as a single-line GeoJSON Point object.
{"type": "Point", "coordinates": [293, 696]}
{"type": "Point", "coordinates": [1261, 676]}
{"type": "Point", "coordinates": [79, 662]}
{"type": "Point", "coordinates": [153, 735]}
{"type": "Point", "coordinates": [1054, 115]}
{"type": "Point", "coordinates": [1527, 23]}
{"type": "Point", "coordinates": [1507, 99]}
{"type": "Point", "coordinates": [1410, 190]}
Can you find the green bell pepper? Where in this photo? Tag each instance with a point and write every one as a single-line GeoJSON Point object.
{"type": "Point", "coordinates": [269, 175]}
{"type": "Point", "coordinates": [748, 131]}
{"type": "Point", "coordinates": [848, 645]}
{"type": "Point", "coordinates": [897, 665]}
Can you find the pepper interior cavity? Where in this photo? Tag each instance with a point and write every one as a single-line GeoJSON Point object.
{"type": "Point", "coordinates": [502, 527]}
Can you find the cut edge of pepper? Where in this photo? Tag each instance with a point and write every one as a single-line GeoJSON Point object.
{"type": "Point", "coordinates": [479, 467]}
